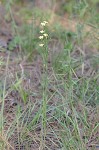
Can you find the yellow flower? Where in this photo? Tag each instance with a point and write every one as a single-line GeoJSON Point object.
{"type": "Point", "coordinates": [46, 35]}
{"type": "Point", "coordinates": [42, 31]}
{"type": "Point", "coordinates": [43, 24]}
{"type": "Point", "coordinates": [40, 37]}
{"type": "Point", "coordinates": [41, 45]}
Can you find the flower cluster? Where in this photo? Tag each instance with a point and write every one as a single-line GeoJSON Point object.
{"type": "Point", "coordinates": [43, 34]}
{"type": "Point", "coordinates": [44, 23]}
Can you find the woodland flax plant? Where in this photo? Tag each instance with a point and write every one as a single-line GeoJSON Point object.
{"type": "Point", "coordinates": [65, 106]}
{"type": "Point", "coordinates": [44, 53]}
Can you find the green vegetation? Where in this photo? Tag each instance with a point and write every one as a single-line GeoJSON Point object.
{"type": "Point", "coordinates": [49, 79]}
